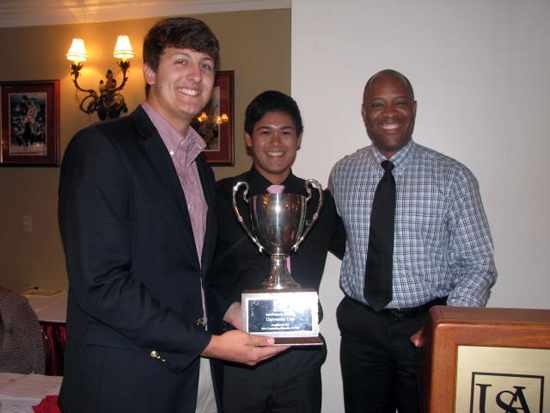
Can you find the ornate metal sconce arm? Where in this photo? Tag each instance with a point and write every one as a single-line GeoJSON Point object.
{"type": "Point", "coordinates": [108, 103]}
{"type": "Point", "coordinates": [75, 73]}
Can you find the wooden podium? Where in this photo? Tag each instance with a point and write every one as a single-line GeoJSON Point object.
{"type": "Point", "coordinates": [485, 360]}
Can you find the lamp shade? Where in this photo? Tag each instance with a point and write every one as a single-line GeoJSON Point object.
{"type": "Point", "coordinates": [123, 49]}
{"type": "Point", "coordinates": [77, 51]}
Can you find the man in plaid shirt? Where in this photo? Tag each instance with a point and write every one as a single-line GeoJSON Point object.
{"type": "Point", "coordinates": [442, 250]}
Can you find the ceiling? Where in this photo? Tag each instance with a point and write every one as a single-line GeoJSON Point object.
{"type": "Point", "coordinates": [19, 13]}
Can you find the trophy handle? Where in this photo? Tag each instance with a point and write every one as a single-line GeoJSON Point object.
{"type": "Point", "coordinates": [314, 184]}
{"type": "Point", "coordinates": [239, 216]}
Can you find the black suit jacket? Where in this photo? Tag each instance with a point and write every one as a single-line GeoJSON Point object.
{"type": "Point", "coordinates": [134, 276]}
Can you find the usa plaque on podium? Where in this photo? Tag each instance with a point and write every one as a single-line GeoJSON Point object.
{"type": "Point", "coordinates": [485, 360]}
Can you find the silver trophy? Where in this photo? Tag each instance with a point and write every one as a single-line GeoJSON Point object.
{"type": "Point", "coordinates": [280, 308]}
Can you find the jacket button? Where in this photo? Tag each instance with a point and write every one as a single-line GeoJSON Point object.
{"type": "Point", "coordinates": [155, 355]}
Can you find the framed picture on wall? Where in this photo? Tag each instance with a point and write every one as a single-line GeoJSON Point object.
{"type": "Point", "coordinates": [216, 123]}
{"type": "Point", "coordinates": [30, 123]}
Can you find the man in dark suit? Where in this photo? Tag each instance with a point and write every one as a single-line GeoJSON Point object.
{"type": "Point", "coordinates": [137, 220]}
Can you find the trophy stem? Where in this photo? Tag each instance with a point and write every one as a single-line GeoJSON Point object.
{"type": "Point", "coordinates": [279, 277]}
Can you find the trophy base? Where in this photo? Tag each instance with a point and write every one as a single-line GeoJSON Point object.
{"type": "Point", "coordinates": [291, 316]}
{"type": "Point", "coordinates": [298, 341]}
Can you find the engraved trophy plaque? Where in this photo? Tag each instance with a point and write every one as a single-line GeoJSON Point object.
{"type": "Point", "coordinates": [280, 308]}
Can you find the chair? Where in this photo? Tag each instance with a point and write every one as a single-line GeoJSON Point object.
{"type": "Point", "coordinates": [21, 345]}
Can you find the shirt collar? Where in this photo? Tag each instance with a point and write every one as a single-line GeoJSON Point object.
{"type": "Point", "coordinates": [192, 143]}
{"type": "Point", "coordinates": [259, 183]}
{"type": "Point", "coordinates": [400, 159]}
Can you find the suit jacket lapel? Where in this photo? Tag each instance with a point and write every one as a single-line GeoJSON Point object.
{"type": "Point", "coordinates": [208, 181]}
{"type": "Point", "coordinates": [164, 166]}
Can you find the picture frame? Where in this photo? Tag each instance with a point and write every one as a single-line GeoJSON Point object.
{"type": "Point", "coordinates": [216, 122]}
{"type": "Point", "coordinates": [29, 123]}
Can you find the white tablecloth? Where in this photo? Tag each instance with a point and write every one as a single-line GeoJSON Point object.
{"type": "Point", "coordinates": [51, 308]}
{"type": "Point", "coordinates": [19, 392]}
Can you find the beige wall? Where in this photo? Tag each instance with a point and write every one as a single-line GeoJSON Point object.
{"type": "Point", "coordinates": [255, 44]}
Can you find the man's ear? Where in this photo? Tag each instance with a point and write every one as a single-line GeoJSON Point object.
{"type": "Point", "coordinates": [299, 141]}
{"type": "Point", "coordinates": [247, 139]}
{"type": "Point", "coordinates": [363, 112]}
{"type": "Point", "coordinates": [148, 74]}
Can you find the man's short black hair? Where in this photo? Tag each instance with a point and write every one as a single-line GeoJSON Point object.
{"type": "Point", "coordinates": [391, 72]}
{"type": "Point", "coordinates": [272, 101]}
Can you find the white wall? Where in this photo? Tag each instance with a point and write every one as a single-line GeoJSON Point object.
{"type": "Point", "coordinates": [481, 74]}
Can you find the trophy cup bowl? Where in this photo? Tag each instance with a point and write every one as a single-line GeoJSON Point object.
{"type": "Point", "coordinates": [280, 308]}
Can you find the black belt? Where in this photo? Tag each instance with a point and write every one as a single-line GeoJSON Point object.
{"type": "Point", "coordinates": [403, 313]}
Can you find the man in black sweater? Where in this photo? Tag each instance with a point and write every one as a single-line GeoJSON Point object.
{"type": "Point", "coordinates": [290, 382]}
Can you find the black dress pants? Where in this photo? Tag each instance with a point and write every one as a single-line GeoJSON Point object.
{"type": "Point", "coordinates": [378, 361]}
{"type": "Point", "coordinates": [290, 382]}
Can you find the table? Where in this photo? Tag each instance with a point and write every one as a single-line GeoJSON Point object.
{"type": "Point", "coordinates": [19, 392]}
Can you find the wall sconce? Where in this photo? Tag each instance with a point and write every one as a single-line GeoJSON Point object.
{"type": "Point", "coordinates": [109, 103]}
{"type": "Point", "coordinates": [223, 118]}
{"type": "Point", "coordinates": [208, 126]}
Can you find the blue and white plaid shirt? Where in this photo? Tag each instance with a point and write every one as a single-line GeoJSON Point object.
{"type": "Point", "coordinates": [442, 245]}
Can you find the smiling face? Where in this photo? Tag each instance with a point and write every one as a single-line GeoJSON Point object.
{"type": "Point", "coordinates": [181, 85]}
{"type": "Point", "coordinates": [274, 143]}
{"type": "Point", "coordinates": [388, 111]}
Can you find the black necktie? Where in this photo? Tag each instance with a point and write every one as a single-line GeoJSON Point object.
{"type": "Point", "coordinates": [378, 281]}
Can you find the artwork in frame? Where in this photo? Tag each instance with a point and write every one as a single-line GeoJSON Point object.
{"type": "Point", "coordinates": [30, 123]}
{"type": "Point", "coordinates": [216, 123]}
